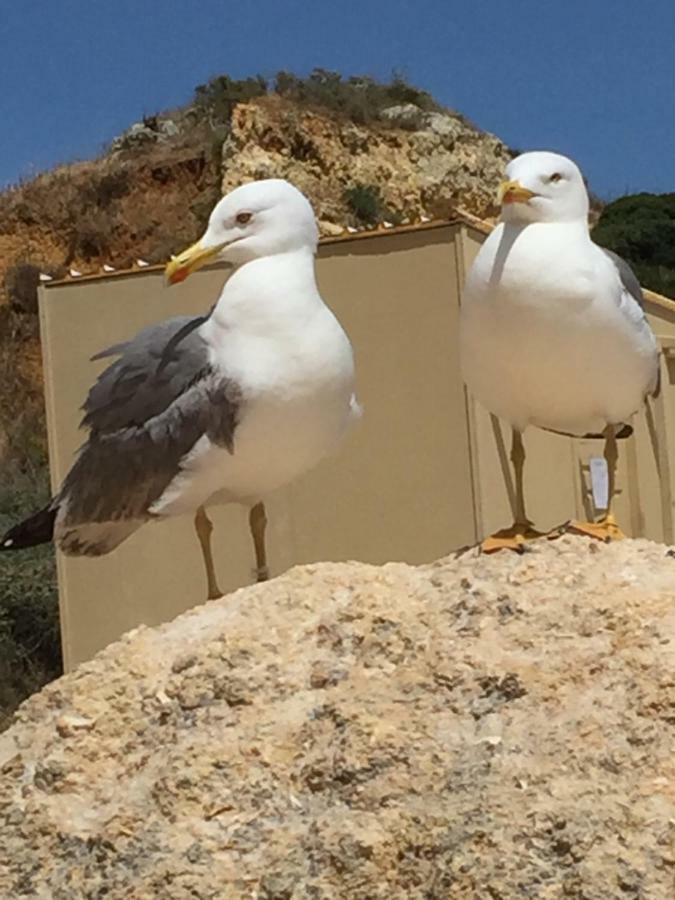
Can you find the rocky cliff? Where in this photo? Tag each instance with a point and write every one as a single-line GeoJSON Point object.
{"type": "Point", "coordinates": [414, 163]}
{"type": "Point", "coordinates": [483, 727]}
{"type": "Point", "coordinates": [154, 188]}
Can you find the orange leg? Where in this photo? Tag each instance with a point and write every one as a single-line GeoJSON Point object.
{"type": "Point", "coordinates": [204, 527]}
{"type": "Point", "coordinates": [258, 522]}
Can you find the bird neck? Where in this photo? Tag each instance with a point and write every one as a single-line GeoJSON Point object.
{"type": "Point", "coordinates": [269, 288]}
{"type": "Point", "coordinates": [575, 230]}
{"type": "Point", "coordinates": [298, 257]}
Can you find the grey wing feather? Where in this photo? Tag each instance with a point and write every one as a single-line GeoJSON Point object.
{"type": "Point", "coordinates": [146, 412]}
{"type": "Point", "coordinates": [627, 276]}
{"type": "Point", "coordinates": [152, 370]}
{"type": "Point", "coordinates": [632, 287]}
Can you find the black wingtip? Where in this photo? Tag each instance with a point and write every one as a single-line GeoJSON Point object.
{"type": "Point", "coordinates": [36, 529]}
{"type": "Point", "coordinates": [624, 432]}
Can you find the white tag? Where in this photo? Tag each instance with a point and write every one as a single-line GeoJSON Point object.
{"type": "Point", "coordinates": [599, 481]}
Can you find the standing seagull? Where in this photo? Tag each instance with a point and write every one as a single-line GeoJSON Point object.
{"type": "Point", "coordinates": [552, 328]}
{"type": "Point", "coordinates": [220, 408]}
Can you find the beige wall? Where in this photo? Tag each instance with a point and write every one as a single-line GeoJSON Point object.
{"type": "Point", "coordinates": [423, 473]}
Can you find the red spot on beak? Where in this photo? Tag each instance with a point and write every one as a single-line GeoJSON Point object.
{"type": "Point", "coordinates": [179, 275]}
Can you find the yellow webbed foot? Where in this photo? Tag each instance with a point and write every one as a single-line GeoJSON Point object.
{"type": "Point", "coordinates": [605, 530]}
{"type": "Point", "coordinates": [515, 538]}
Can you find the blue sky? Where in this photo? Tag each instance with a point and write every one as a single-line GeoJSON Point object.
{"type": "Point", "coordinates": [594, 80]}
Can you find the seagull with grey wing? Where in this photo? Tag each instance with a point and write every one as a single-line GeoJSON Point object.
{"type": "Point", "coordinates": [221, 408]}
{"type": "Point", "coordinates": [552, 327]}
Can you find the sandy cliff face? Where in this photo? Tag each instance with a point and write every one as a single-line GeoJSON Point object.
{"type": "Point", "coordinates": [428, 165]}
{"type": "Point", "coordinates": [483, 727]}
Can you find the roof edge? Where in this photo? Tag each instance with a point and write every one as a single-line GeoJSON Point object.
{"type": "Point", "coordinates": [461, 217]}
{"type": "Point", "coordinates": [659, 299]}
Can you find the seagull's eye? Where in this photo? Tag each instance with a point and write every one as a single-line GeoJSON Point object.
{"type": "Point", "coordinates": [243, 218]}
{"type": "Point", "coordinates": [555, 177]}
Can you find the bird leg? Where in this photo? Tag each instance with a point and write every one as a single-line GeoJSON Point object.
{"type": "Point", "coordinates": [204, 527]}
{"type": "Point", "coordinates": [515, 537]}
{"type": "Point", "coordinates": [606, 529]}
{"type": "Point", "coordinates": [258, 522]}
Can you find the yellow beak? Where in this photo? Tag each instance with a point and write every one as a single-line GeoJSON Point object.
{"type": "Point", "coordinates": [513, 192]}
{"type": "Point", "coordinates": [189, 261]}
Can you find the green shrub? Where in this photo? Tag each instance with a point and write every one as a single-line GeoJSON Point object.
{"type": "Point", "coordinates": [358, 98]}
{"type": "Point", "coordinates": [641, 229]}
{"type": "Point", "coordinates": [400, 91]}
{"type": "Point", "coordinates": [367, 205]}
{"type": "Point", "coordinates": [30, 649]}
{"type": "Point", "coordinates": [21, 287]}
{"type": "Point", "coordinates": [30, 653]}
{"type": "Point", "coordinates": [22, 418]}
{"type": "Point", "coordinates": [365, 202]}
{"type": "Point", "coordinates": [217, 98]}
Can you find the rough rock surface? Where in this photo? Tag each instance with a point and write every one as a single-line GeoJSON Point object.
{"type": "Point", "coordinates": [429, 165]}
{"type": "Point", "coordinates": [483, 727]}
{"type": "Point", "coordinates": [154, 131]}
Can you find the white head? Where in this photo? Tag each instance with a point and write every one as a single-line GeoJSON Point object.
{"type": "Point", "coordinates": [543, 187]}
{"type": "Point", "coordinates": [262, 218]}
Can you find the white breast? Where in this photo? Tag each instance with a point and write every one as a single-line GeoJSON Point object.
{"type": "Point", "coordinates": [294, 366]}
{"type": "Point", "coordinates": [297, 405]}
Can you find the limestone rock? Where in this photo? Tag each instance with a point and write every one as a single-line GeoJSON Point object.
{"type": "Point", "coordinates": [405, 115]}
{"type": "Point", "coordinates": [143, 133]}
{"type": "Point", "coordinates": [480, 727]}
{"type": "Point", "coordinates": [441, 162]}
{"type": "Point", "coordinates": [330, 229]}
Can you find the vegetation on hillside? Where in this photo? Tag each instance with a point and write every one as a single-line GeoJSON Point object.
{"type": "Point", "coordinates": [30, 652]}
{"type": "Point", "coordinates": [358, 98]}
{"type": "Point", "coordinates": [641, 229]}
{"type": "Point", "coordinates": [367, 205]}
